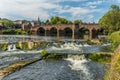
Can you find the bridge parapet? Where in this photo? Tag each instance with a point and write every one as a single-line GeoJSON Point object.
{"type": "Point", "coordinates": [89, 26]}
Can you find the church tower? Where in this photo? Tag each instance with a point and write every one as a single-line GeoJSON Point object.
{"type": "Point", "coordinates": [39, 22]}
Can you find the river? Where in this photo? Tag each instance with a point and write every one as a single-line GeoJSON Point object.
{"type": "Point", "coordinates": [66, 69]}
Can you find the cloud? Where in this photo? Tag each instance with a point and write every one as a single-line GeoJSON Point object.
{"type": "Point", "coordinates": [34, 8]}
{"type": "Point", "coordinates": [27, 8]}
{"type": "Point", "coordinates": [92, 7]}
{"type": "Point", "coordinates": [93, 3]}
{"type": "Point", "coordinates": [118, 1]}
{"type": "Point", "coordinates": [31, 9]}
{"type": "Point", "coordinates": [76, 11]}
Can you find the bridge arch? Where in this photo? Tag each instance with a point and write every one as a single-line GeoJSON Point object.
{"type": "Point", "coordinates": [83, 31]}
{"type": "Point", "coordinates": [68, 31]}
{"type": "Point", "coordinates": [53, 31]}
{"type": "Point", "coordinates": [94, 33]}
{"type": "Point", "coordinates": [41, 31]}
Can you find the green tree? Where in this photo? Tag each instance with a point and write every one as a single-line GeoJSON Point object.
{"type": "Point", "coordinates": [114, 8]}
{"type": "Point", "coordinates": [7, 23]}
{"type": "Point", "coordinates": [59, 20]}
{"type": "Point", "coordinates": [111, 20]}
{"type": "Point", "coordinates": [78, 22]}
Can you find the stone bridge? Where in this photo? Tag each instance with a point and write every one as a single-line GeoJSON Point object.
{"type": "Point", "coordinates": [91, 30]}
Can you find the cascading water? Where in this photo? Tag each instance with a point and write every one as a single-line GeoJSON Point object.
{"type": "Point", "coordinates": [14, 47]}
{"type": "Point", "coordinates": [9, 47]}
{"type": "Point", "coordinates": [80, 66]}
{"type": "Point", "coordinates": [67, 46]}
{"type": "Point", "coordinates": [72, 48]}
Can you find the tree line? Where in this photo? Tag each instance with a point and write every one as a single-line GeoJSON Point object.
{"type": "Point", "coordinates": [60, 20]}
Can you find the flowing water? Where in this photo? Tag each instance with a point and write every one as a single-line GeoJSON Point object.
{"type": "Point", "coordinates": [67, 69]}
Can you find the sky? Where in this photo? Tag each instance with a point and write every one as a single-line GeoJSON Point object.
{"type": "Point", "coordinates": [85, 10]}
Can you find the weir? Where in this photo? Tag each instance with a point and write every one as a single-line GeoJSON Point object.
{"type": "Point", "coordinates": [11, 47]}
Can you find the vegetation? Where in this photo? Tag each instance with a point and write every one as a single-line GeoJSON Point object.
{"type": "Point", "coordinates": [16, 32]}
{"type": "Point", "coordinates": [114, 72]}
{"type": "Point", "coordinates": [4, 46]}
{"type": "Point", "coordinates": [115, 38]}
{"type": "Point", "coordinates": [101, 58]}
{"type": "Point", "coordinates": [110, 22]}
{"type": "Point", "coordinates": [7, 23]}
{"type": "Point", "coordinates": [78, 22]}
{"type": "Point", "coordinates": [58, 20]}
{"type": "Point", "coordinates": [44, 53]}
{"type": "Point", "coordinates": [56, 56]}
{"type": "Point", "coordinates": [43, 44]}
{"type": "Point", "coordinates": [52, 56]}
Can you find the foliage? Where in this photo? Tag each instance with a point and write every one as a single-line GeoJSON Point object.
{"type": "Point", "coordinates": [78, 22]}
{"type": "Point", "coordinates": [7, 23]}
{"type": "Point", "coordinates": [55, 56]}
{"type": "Point", "coordinates": [4, 47]}
{"type": "Point", "coordinates": [115, 38]}
{"type": "Point", "coordinates": [16, 32]}
{"type": "Point", "coordinates": [101, 58]}
{"type": "Point", "coordinates": [58, 20]}
{"type": "Point", "coordinates": [114, 71]}
{"type": "Point", "coordinates": [52, 56]}
{"type": "Point", "coordinates": [18, 45]}
{"type": "Point", "coordinates": [44, 53]}
{"type": "Point", "coordinates": [43, 44]}
{"type": "Point", "coordinates": [24, 46]}
{"type": "Point", "coordinates": [110, 22]}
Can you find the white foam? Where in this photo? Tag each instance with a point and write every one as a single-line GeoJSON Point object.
{"type": "Point", "coordinates": [79, 65]}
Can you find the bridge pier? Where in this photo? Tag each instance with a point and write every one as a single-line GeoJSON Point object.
{"type": "Point", "coordinates": [73, 34]}
{"type": "Point", "coordinates": [58, 34]}
{"type": "Point", "coordinates": [45, 33]}
{"type": "Point", "coordinates": [90, 34]}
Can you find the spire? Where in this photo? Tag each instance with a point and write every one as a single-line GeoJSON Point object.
{"type": "Point", "coordinates": [39, 22]}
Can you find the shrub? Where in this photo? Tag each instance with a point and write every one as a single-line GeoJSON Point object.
{"type": "Point", "coordinates": [114, 72]}
{"type": "Point", "coordinates": [115, 45]}
{"type": "Point", "coordinates": [101, 58]}
{"type": "Point", "coordinates": [115, 38]}
{"type": "Point", "coordinates": [25, 46]}
{"type": "Point", "coordinates": [52, 56]}
{"type": "Point", "coordinates": [43, 44]}
{"type": "Point", "coordinates": [44, 53]}
{"type": "Point", "coordinates": [4, 47]}
{"type": "Point", "coordinates": [16, 32]}
{"type": "Point", "coordinates": [56, 56]}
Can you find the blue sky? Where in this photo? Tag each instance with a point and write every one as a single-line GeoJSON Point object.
{"type": "Point", "coordinates": [86, 10]}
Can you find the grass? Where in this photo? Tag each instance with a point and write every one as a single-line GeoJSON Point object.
{"type": "Point", "coordinates": [115, 38]}
{"type": "Point", "coordinates": [114, 71]}
{"type": "Point", "coordinates": [101, 58]}
{"type": "Point", "coordinates": [52, 56]}
{"type": "Point", "coordinates": [16, 32]}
